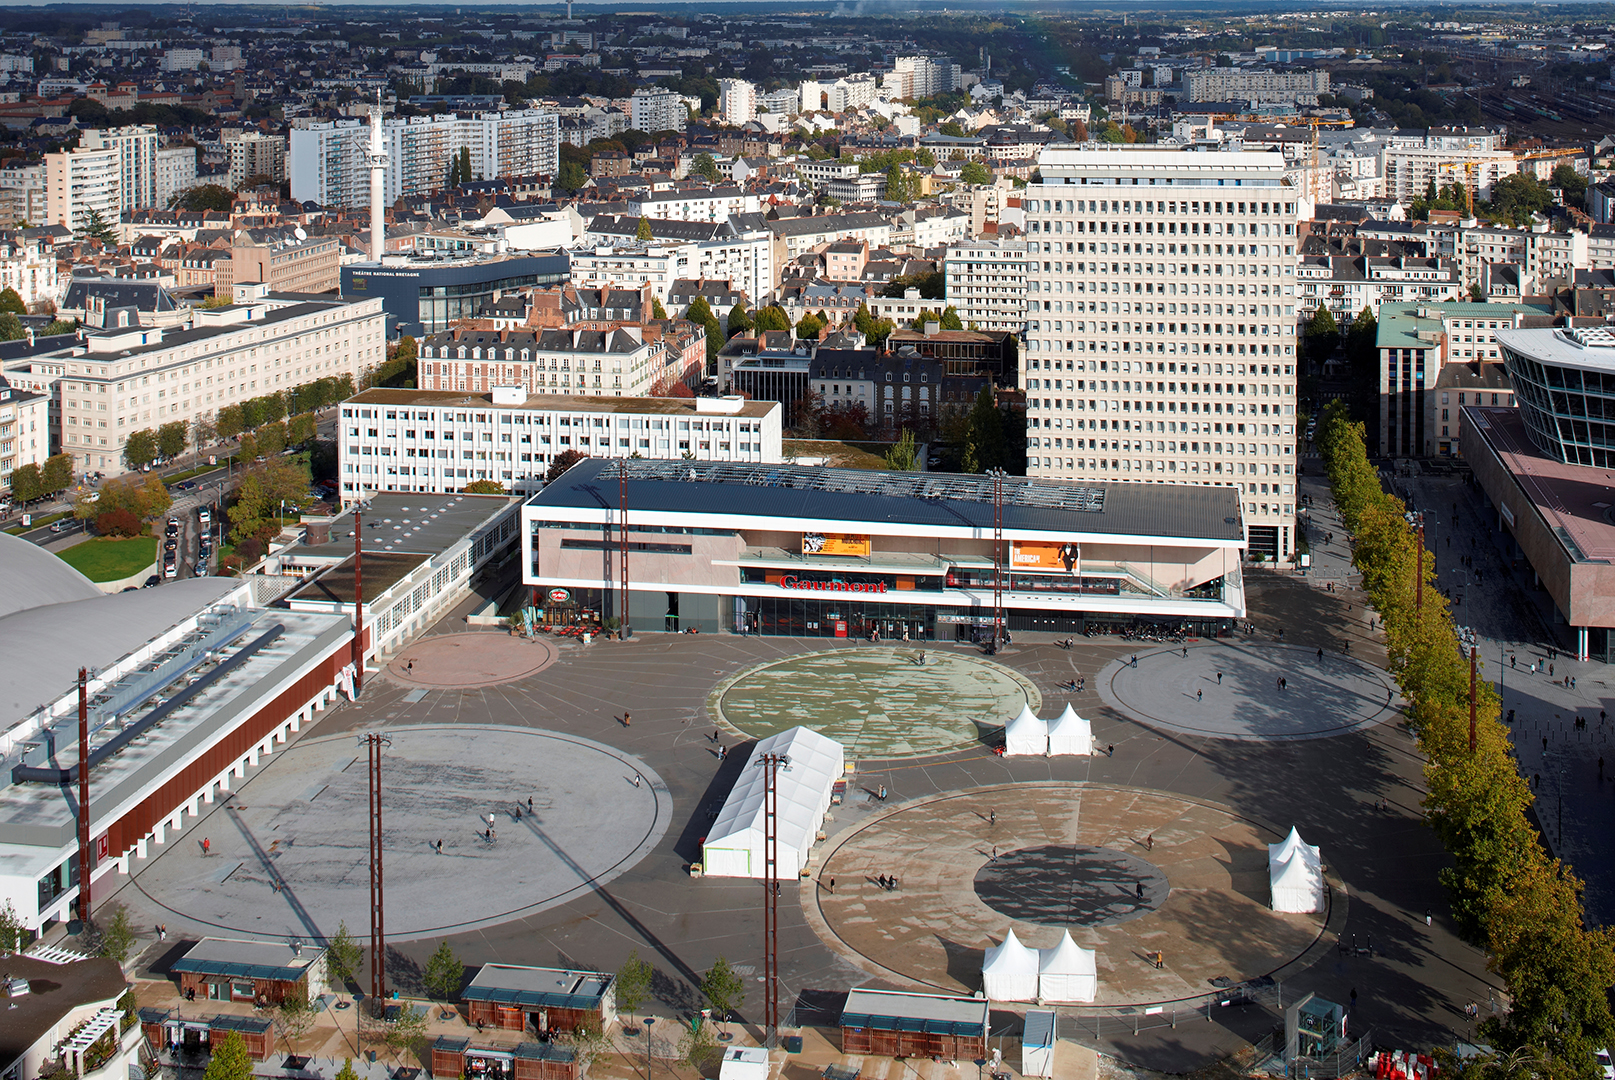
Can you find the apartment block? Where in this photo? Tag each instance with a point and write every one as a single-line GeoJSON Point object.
{"type": "Point", "coordinates": [737, 101]}
{"type": "Point", "coordinates": [176, 172]}
{"type": "Point", "coordinates": [128, 378]}
{"type": "Point", "coordinates": [1474, 157]}
{"type": "Point", "coordinates": [1160, 338]}
{"type": "Point", "coordinates": [24, 430]}
{"type": "Point", "coordinates": [28, 264]}
{"type": "Point", "coordinates": [986, 284]}
{"type": "Point", "coordinates": [1348, 284]}
{"type": "Point", "coordinates": [81, 185]}
{"type": "Point", "coordinates": [656, 109]}
{"type": "Point", "coordinates": [137, 146]}
{"type": "Point", "coordinates": [22, 192]}
{"type": "Point", "coordinates": [285, 264]}
{"type": "Point", "coordinates": [326, 161]}
{"type": "Point", "coordinates": [1259, 87]}
{"type": "Point", "coordinates": [440, 441]}
{"type": "Point", "coordinates": [618, 361]}
{"type": "Point", "coordinates": [256, 154]}
{"type": "Point", "coordinates": [923, 76]}
{"type": "Point", "coordinates": [844, 94]}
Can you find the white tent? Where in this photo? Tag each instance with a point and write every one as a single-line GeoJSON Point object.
{"type": "Point", "coordinates": [1026, 735]}
{"type": "Point", "coordinates": [734, 847]}
{"type": "Point", "coordinates": [1009, 972]}
{"type": "Point", "coordinates": [1067, 972]}
{"type": "Point", "coordinates": [1295, 874]}
{"type": "Point", "coordinates": [1070, 734]}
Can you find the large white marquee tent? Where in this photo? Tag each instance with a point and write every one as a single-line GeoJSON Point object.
{"type": "Point", "coordinates": [1067, 972]}
{"type": "Point", "coordinates": [1026, 735]}
{"type": "Point", "coordinates": [1295, 874]}
{"type": "Point", "coordinates": [1009, 971]}
{"type": "Point", "coordinates": [734, 847]}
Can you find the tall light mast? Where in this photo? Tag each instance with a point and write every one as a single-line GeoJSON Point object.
{"type": "Point", "coordinates": [377, 159]}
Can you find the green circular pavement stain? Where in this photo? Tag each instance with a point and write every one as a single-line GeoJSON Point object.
{"type": "Point", "coordinates": [877, 702]}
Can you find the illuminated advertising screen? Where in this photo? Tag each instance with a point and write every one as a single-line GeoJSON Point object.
{"type": "Point", "coordinates": [835, 544]}
{"type": "Point", "coordinates": [1052, 556]}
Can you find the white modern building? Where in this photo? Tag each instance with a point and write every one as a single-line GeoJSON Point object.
{"type": "Point", "coordinates": [986, 284]}
{"type": "Point", "coordinates": [442, 440]}
{"type": "Point", "coordinates": [176, 172]}
{"type": "Point", "coordinates": [82, 186]}
{"type": "Point", "coordinates": [1257, 87]}
{"type": "Point", "coordinates": [24, 430]}
{"type": "Point", "coordinates": [28, 264]}
{"type": "Point", "coordinates": [256, 154]}
{"type": "Point", "coordinates": [924, 76]}
{"type": "Point", "coordinates": [327, 161]}
{"type": "Point", "coordinates": [1413, 160]}
{"type": "Point", "coordinates": [137, 146]}
{"type": "Point", "coordinates": [737, 101]}
{"type": "Point", "coordinates": [656, 109]}
{"type": "Point", "coordinates": [842, 95]}
{"type": "Point", "coordinates": [1161, 327]}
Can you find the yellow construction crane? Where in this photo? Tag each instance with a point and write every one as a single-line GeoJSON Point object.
{"type": "Point", "coordinates": [1470, 168]}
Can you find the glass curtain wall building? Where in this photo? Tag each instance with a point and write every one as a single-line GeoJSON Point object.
{"type": "Point", "coordinates": [1564, 381]}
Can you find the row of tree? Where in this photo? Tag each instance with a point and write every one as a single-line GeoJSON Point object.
{"type": "Point", "coordinates": [30, 482]}
{"type": "Point", "coordinates": [1508, 894]}
{"type": "Point", "coordinates": [233, 420]}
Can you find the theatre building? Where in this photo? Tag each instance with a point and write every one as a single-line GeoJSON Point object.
{"type": "Point", "coordinates": [779, 549]}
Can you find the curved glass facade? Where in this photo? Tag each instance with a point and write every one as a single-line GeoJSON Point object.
{"type": "Point", "coordinates": [1568, 409]}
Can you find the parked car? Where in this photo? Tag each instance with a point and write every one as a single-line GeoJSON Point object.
{"type": "Point", "coordinates": [172, 528]}
{"type": "Point", "coordinates": [170, 570]}
{"type": "Point", "coordinates": [153, 580]}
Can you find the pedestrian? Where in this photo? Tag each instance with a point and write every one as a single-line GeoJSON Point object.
{"type": "Point", "coordinates": [1135, 660]}
{"type": "Point", "coordinates": [1139, 887]}
{"type": "Point", "coordinates": [723, 751]}
{"type": "Point", "coordinates": [529, 810]}
{"type": "Point", "coordinates": [832, 886]}
{"type": "Point", "coordinates": [409, 667]}
{"type": "Point", "coordinates": [207, 845]}
{"type": "Point", "coordinates": [1511, 661]}
{"type": "Point", "coordinates": [1186, 652]}
{"type": "Point", "coordinates": [883, 793]}
{"type": "Point", "coordinates": [1160, 959]}
{"type": "Point", "coordinates": [1110, 751]}
{"type": "Point", "coordinates": [1320, 656]}
{"type": "Point", "coordinates": [994, 856]}
{"type": "Point", "coordinates": [1428, 916]}
{"type": "Point", "coordinates": [440, 847]}
{"type": "Point", "coordinates": [1149, 842]}
{"type": "Point", "coordinates": [636, 780]}
{"type": "Point", "coordinates": [1219, 678]}
{"type": "Point", "coordinates": [1544, 744]}
{"type": "Point", "coordinates": [716, 734]}
{"type": "Point", "coordinates": [1550, 671]}
{"type": "Point", "coordinates": [487, 834]}
{"type": "Point", "coordinates": [992, 815]}
{"type": "Point", "coordinates": [1199, 694]}
{"type": "Point", "coordinates": [627, 719]}
{"type": "Point", "coordinates": [1279, 683]}
{"type": "Point", "coordinates": [1354, 997]}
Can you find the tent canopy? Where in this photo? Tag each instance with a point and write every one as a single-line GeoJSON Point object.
{"type": "Point", "coordinates": [1070, 733]}
{"type": "Point", "coordinates": [1026, 734]}
{"type": "Point", "coordinates": [1067, 972]}
{"type": "Point", "coordinates": [1295, 875]}
{"type": "Point", "coordinates": [1009, 971]}
{"type": "Point", "coordinates": [1283, 850]}
{"type": "Point", "coordinates": [734, 847]}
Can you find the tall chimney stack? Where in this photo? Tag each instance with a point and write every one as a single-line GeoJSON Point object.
{"type": "Point", "coordinates": [378, 191]}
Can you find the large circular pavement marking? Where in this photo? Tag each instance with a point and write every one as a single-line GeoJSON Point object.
{"type": "Point", "coordinates": [877, 702]}
{"type": "Point", "coordinates": [289, 852]}
{"type": "Point", "coordinates": [933, 928]}
{"type": "Point", "coordinates": [1323, 696]}
{"type": "Point", "coordinates": [463, 661]}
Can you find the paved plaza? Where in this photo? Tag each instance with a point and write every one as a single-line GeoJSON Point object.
{"type": "Point", "coordinates": [878, 702]}
{"type": "Point", "coordinates": [1230, 689]}
{"type": "Point", "coordinates": [288, 853]}
{"type": "Point", "coordinates": [561, 734]}
{"type": "Point", "coordinates": [933, 927]}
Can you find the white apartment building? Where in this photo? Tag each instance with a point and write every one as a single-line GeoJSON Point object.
{"type": "Point", "coordinates": [226, 58]}
{"type": "Point", "coordinates": [440, 441]}
{"type": "Point", "coordinates": [694, 204]}
{"type": "Point", "coordinates": [130, 378]}
{"type": "Point", "coordinates": [819, 173]}
{"type": "Point", "coordinates": [986, 284]}
{"type": "Point", "coordinates": [924, 76]}
{"type": "Point", "coordinates": [79, 183]}
{"type": "Point", "coordinates": [1474, 157]}
{"type": "Point", "coordinates": [326, 161]}
{"type": "Point", "coordinates": [1545, 256]}
{"type": "Point", "coordinates": [29, 266]}
{"type": "Point", "coordinates": [738, 251]}
{"type": "Point", "coordinates": [183, 59]}
{"type": "Point", "coordinates": [256, 154]}
{"type": "Point", "coordinates": [24, 430]}
{"type": "Point", "coordinates": [1347, 284]}
{"type": "Point", "coordinates": [579, 359]}
{"type": "Point", "coordinates": [842, 95]}
{"type": "Point", "coordinates": [176, 172]}
{"type": "Point", "coordinates": [737, 101]}
{"type": "Point", "coordinates": [1260, 87]}
{"type": "Point", "coordinates": [658, 265]}
{"type": "Point", "coordinates": [1160, 339]}
{"type": "Point", "coordinates": [22, 193]}
{"type": "Point", "coordinates": [654, 108]}
{"type": "Point", "coordinates": [137, 146]}
{"type": "Point", "coordinates": [784, 102]}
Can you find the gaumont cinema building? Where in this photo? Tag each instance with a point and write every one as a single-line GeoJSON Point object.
{"type": "Point", "coordinates": [820, 552]}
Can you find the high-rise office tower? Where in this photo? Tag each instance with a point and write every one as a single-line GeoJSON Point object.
{"type": "Point", "coordinates": [1161, 331]}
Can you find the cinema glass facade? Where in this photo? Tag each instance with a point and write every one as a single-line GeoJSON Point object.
{"type": "Point", "coordinates": [817, 552]}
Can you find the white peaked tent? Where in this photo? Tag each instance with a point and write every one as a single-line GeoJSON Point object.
{"type": "Point", "coordinates": [1070, 734]}
{"type": "Point", "coordinates": [1009, 972]}
{"type": "Point", "coordinates": [1067, 972]}
{"type": "Point", "coordinates": [734, 847]}
{"type": "Point", "coordinates": [1295, 873]}
{"type": "Point", "coordinates": [1026, 735]}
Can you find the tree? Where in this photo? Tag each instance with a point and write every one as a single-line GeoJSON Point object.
{"type": "Point", "coordinates": [657, 311]}
{"type": "Point", "coordinates": [444, 972]}
{"type": "Point", "coordinates": [771, 319]}
{"type": "Point", "coordinates": [59, 326]}
{"type": "Point", "coordinates": [1565, 177]}
{"type": "Point", "coordinates": [465, 165]}
{"type": "Point", "coordinates": [950, 319]}
{"type": "Point", "coordinates": [12, 302]}
{"type": "Point", "coordinates": [571, 177]}
{"type": "Point", "coordinates": [96, 228]}
{"type": "Point", "coordinates": [295, 1016]}
{"type": "Point", "coordinates": [633, 983]}
{"type": "Point", "coordinates": [229, 422]}
{"type": "Point", "coordinates": [722, 988]}
{"type": "Point", "coordinates": [563, 461]}
{"type": "Point", "coordinates": [300, 429]}
{"type": "Point", "coordinates": [25, 485]}
{"type": "Point", "coordinates": [738, 320]}
{"type": "Point", "coordinates": [203, 432]}
{"type": "Point", "coordinates": [261, 493]}
{"type": "Point", "coordinates": [119, 522]}
{"type": "Point", "coordinates": [484, 487]}
{"type": "Point", "coordinates": [11, 328]}
{"type": "Point", "coordinates": [171, 439]}
{"type": "Point", "coordinates": [899, 188]}
{"type": "Point", "coordinates": [11, 930]}
{"type": "Point", "coordinates": [974, 172]}
{"type": "Point", "coordinates": [701, 312]}
{"type": "Point", "coordinates": [984, 439]}
{"type": "Point", "coordinates": [811, 326]}
{"type": "Point", "coordinates": [271, 438]}
{"type": "Point", "coordinates": [696, 1045]}
{"type": "Point", "coordinates": [154, 497]}
{"type": "Point", "coordinates": [705, 168]}
{"type": "Point", "coordinates": [953, 129]}
{"type": "Point", "coordinates": [57, 475]}
{"type": "Point", "coordinates": [230, 1060]}
{"type": "Point", "coordinates": [404, 1032]}
{"type": "Point", "coordinates": [119, 937]}
{"type": "Point", "coordinates": [408, 348]}
{"type": "Point", "coordinates": [347, 1072]}
{"type": "Point", "coordinates": [643, 233]}
{"type": "Point", "coordinates": [1322, 334]}
{"type": "Point", "coordinates": [140, 449]}
{"type": "Point", "coordinates": [1078, 131]}
{"type": "Point", "coordinates": [904, 456]}
{"type": "Point", "coordinates": [343, 956]}
{"type": "Point", "coordinates": [215, 197]}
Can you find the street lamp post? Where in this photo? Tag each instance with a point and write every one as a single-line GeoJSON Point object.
{"type": "Point", "coordinates": [649, 1020]}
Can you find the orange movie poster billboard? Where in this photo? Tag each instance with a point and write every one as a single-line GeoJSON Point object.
{"type": "Point", "coordinates": [1047, 555]}
{"type": "Point", "coordinates": [835, 544]}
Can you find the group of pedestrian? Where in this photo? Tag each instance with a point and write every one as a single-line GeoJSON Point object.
{"type": "Point", "coordinates": [1284, 684]}
{"type": "Point", "coordinates": [887, 883]}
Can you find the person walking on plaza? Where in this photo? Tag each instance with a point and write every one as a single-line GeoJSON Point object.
{"type": "Point", "coordinates": [1219, 678]}
{"type": "Point", "coordinates": [1320, 656]}
{"type": "Point", "coordinates": [832, 886]}
{"type": "Point", "coordinates": [627, 718]}
{"type": "Point", "coordinates": [1149, 842]}
{"type": "Point", "coordinates": [1199, 694]}
{"type": "Point", "coordinates": [207, 845]}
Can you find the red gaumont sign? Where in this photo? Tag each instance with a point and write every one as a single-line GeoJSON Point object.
{"type": "Point", "coordinates": [791, 582]}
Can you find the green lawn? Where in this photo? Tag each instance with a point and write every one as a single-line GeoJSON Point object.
{"type": "Point", "coordinates": [105, 559]}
